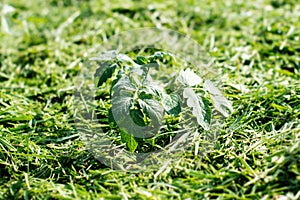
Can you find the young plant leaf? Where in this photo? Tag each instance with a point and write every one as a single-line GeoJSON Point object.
{"type": "Point", "coordinates": [144, 94]}
{"type": "Point", "coordinates": [124, 84]}
{"type": "Point", "coordinates": [141, 60]}
{"type": "Point", "coordinates": [172, 104]}
{"type": "Point", "coordinates": [137, 117]}
{"type": "Point", "coordinates": [104, 72]}
{"type": "Point", "coordinates": [122, 104]}
{"type": "Point", "coordinates": [160, 55]}
{"type": "Point", "coordinates": [220, 102]}
{"type": "Point", "coordinates": [152, 108]}
{"type": "Point", "coordinates": [122, 101]}
{"type": "Point", "coordinates": [121, 107]}
{"type": "Point", "coordinates": [189, 78]}
{"type": "Point", "coordinates": [200, 108]}
{"type": "Point", "coordinates": [205, 104]}
{"type": "Point", "coordinates": [154, 89]}
{"type": "Point", "coordinates": [130, 141]}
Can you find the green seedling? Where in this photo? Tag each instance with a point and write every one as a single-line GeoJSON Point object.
{"type": "Point", "coordinates": [140, 104]}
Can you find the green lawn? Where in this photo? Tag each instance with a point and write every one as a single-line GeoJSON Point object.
{"type": "Point", "coordinates": [256, 46]}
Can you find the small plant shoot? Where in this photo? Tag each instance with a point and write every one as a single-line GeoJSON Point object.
{"type": "Point", "coordinates": [143, 105]}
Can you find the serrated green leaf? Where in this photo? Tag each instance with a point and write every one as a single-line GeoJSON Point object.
{"type": "Point", "coordinates": [160, 55]}
{"type": "Point", "coordinates": [141, 60]}
{"type": "Point", "coordinates": [189, 78]}
{"type": "Point", "coordinates": [220, 102]}
{"type": "Point", "coordinates": [124, 85]}
{"type": "Point", "coordinates": [154, 89]}
{"type": "Point", "coordinates": [121, 106]}
{"type": "Point", "coordinates": [200, 108]}
{"type": "Point", "coordinates": [145, 95]}
{"type": "Point", "coordinates": [205, 105]}
{"type": "Point", "coordinates": [104, 72]}
{"type": "Point", "coordinates": [172, 104]}
{"type": "Point", "coordinates": [137, 117]}
{"type": "Point", "coordinates": [130, 141]}
{"type": "Point", "coordinates": [122, 102]}
{"type": "Point", "coordinates": [153, 109]}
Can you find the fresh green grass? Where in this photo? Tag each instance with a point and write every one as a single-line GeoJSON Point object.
{"type": "Point", "coordinates": [256, 45]}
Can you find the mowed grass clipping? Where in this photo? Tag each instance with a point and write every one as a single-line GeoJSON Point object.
{"type": "Point", "coordinates": [255, 44]}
